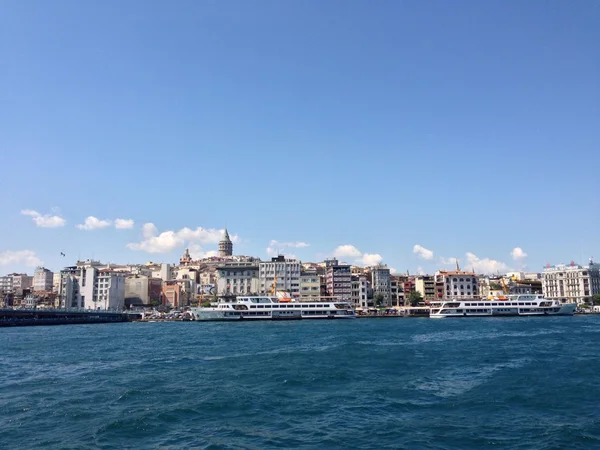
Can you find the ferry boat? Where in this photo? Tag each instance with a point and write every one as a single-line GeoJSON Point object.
{"type": "Point", "coordinates": [274, 308]}
{"type": "Point", "coordinates": [509, 305]}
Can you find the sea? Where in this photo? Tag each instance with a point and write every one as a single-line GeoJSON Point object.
{"type": "Point", "coordinates": [469, 383]}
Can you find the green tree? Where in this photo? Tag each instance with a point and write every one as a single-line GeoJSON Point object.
{"type": "Point", "coordinates": [415, 298]}
{"type": "Point", "coordinates": [378, 299]}
{"type": "Point", "coordinates": [596, 299]}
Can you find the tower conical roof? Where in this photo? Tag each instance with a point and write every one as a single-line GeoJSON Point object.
{"type": "Point", "coordinates": [226, 235]}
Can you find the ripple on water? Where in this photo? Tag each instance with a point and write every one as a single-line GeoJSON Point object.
{"type": "Point", "coordinates": [523, 383]}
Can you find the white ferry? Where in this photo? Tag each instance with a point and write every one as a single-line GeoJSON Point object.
{"type": "Point", "coordinates": [510, 305]}
{"type": "Point", "coordinates": [271, 308]}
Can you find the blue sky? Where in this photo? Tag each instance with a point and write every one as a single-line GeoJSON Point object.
{"type": "Point", "coordinates": [407, 132]}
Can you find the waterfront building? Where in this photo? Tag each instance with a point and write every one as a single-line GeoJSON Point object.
{"type": "Point", "coordinates": [109, 290]}
{"type": "Point", "coordinates": [381, 283]}
{"type": "Point", "coordinates": [285, 273]}
{"type": "Point", "coordinates": [171, 294]}
{"type": "Point", "coordinates": [42, 279]}
{"type": "Point", "coordinates": [571, 283]}
{"type": "Point", "coordinates": [225, 245]}
{"type": "Point", "coordinates": [408, 286]}
{"type": "Point", "coordinates": [69, 290]}
{"type": "Point", "coordinates": [237, 278]}
{"type": "Point", "coordinates": [361, 291]}
{"type": "Point", "coordinates": [141, 290]}
{"type": "Point", "coordinates": [338, 279]}
{"type": "Point", "coordinates": [310, 284]}
{"type": "Point", "coordinates": [426, 286]}
{"type": "Point", "coordinates": [89, 285]}
{"type": "Point", "coordinates": [459, 284]}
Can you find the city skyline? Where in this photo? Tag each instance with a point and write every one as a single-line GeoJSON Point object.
{"type": "Point", "coordinates": [409, 134]}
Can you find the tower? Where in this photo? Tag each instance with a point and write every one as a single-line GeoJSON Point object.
{"type": "Point", "coordinates": [225, 245]}
{"type": "Point", "coordinates": [186, 259]}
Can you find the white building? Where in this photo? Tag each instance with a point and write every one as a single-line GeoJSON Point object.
{"type": "Point", "coordinates": [88, 285]}
{"type": "Point", "coordinates": [42, 279]}
{"type": "Point", "coordinates": [360, 291]}
{"type": "Point", "coordinates": [458, 284]}
{"type": "Point", "coordinates": [109, 290]}
{"type": "Point", "coordinates": [164, 272]}
{"type": "Point", "coordinates": [69, 291]}
{"type": "Point", "coordinates": [572, 283]}
{"type": "Point", "coordinates": [6, 283]}
{"type": "Point", "coordinates": [286, 272]}
{"type": "Point", "coordinates": [237, 278]}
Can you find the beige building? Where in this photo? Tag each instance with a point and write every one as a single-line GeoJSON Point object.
{"type": "Point", "coordinates": [425, 285]}
{"type": "Point", "coordinates": [42, 279]}
{"type": "Point", "coordinates": [310, 284]}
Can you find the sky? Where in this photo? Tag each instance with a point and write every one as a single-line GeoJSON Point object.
{"type": "Point", "coordinates": [410, 133]}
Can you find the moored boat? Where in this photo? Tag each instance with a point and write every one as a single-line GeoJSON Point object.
{"type": "Point", "coordinates": [274, 308]}
{"type": "Point", "coordinates": [510, 305]}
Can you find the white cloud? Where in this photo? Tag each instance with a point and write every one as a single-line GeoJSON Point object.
{"type": "Point", "coordinates": [518, 254]}
{"type": "Point", "coordinates": [124, 224]}
{"type": "Point", "coordinates": [447, 261]}
{"type": "Point", "coordinates": [393, 270]}
{"type": "Point", "coordinates": [44, 220]}
{"type": "Point", "coordinates": [26, 257]}
{"type": "Point", "coordinates": [196, 252]}
{"type": "Point", "coordinates": [422, 252]}
{"type": "Point", "coordinates": [276, 247]}
{"type": "Point", "coordinates": [371, 259]}
{"type": "Point", "coordinates": [360, 258]}
{"type": "Point", "coordinates": [347, 251]}
{"type": "Point", "coordinates": [420, 271]}
{"type": "Point", "coordinates": [153, 242]}
{"type": "Point", "coordinates": [93, 223]}
{"type": "Point", "coordinates": [485, 265]}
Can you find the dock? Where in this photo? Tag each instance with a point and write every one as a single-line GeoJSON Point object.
{"type": "Point", "coordinates": [15, 317]}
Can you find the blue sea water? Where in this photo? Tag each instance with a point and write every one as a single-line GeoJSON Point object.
{"type": "Point", "coordinates": [368, 383]}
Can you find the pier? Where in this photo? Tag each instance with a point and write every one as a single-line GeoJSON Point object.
{"type": "Point", "coordinates": [10, 317]}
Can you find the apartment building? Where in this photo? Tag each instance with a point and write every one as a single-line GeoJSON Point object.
{"type": "Point", "coordinates": [338, 279]}
{"type": "Point", "coordinates": [310, 284]}
{"type": "Point", "coordinates": [42, 279]}
{"type": "Point", "coordinates": [281, 273]}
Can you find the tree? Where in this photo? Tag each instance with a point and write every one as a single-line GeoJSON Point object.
{"type": "Point", "coordinates": [596, 299]}
{"type": "Point", "coordinates": [415, 298]}
{"type": "Point", "coordinates": [378, 299]}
